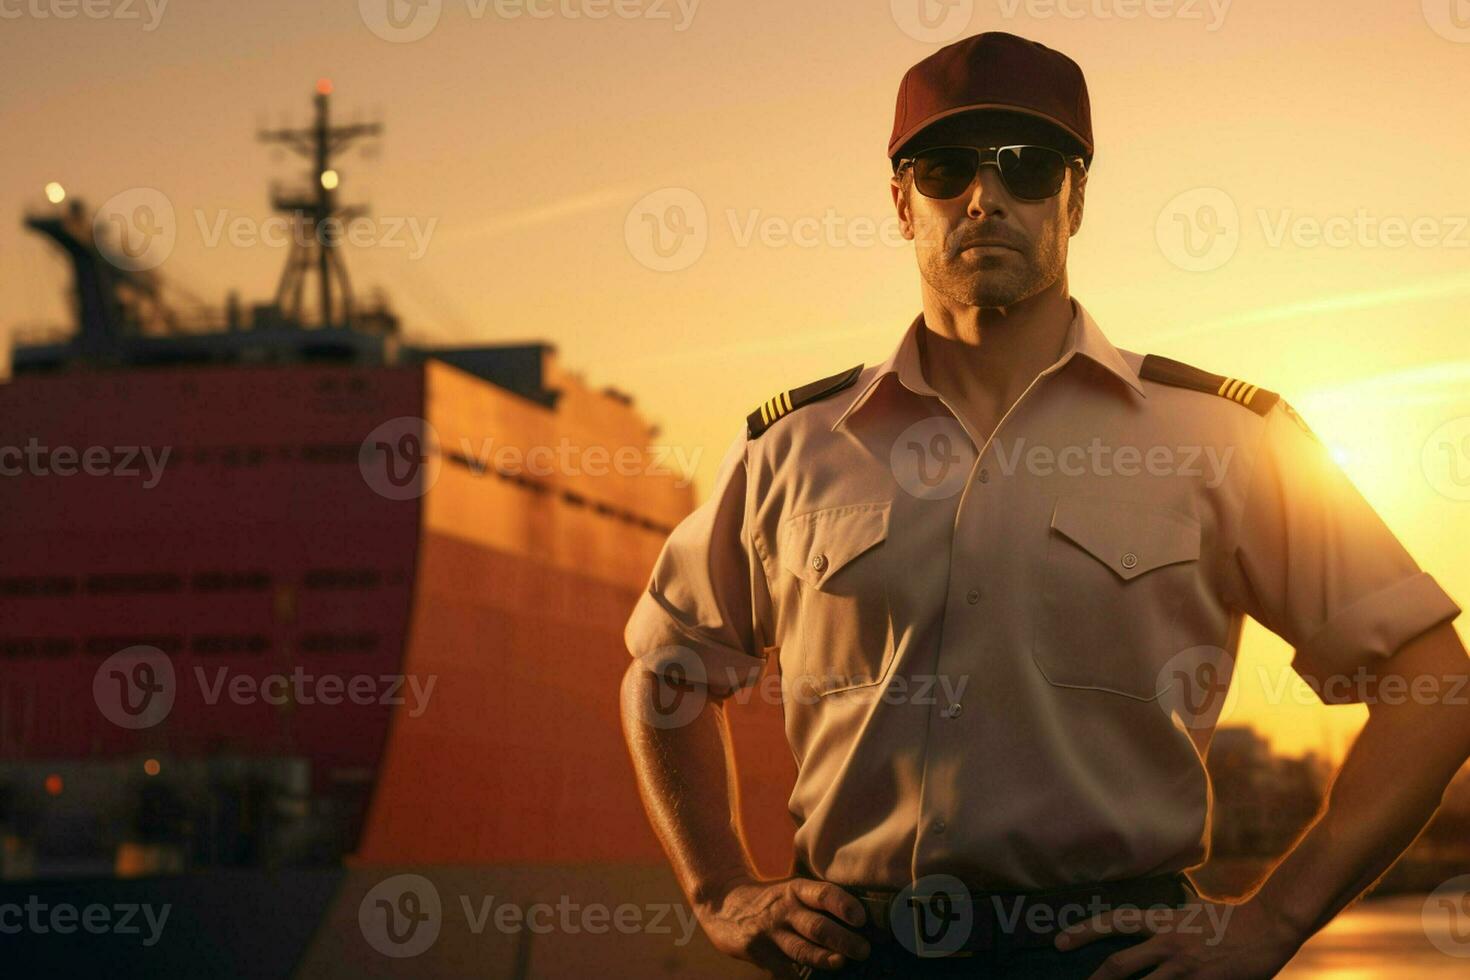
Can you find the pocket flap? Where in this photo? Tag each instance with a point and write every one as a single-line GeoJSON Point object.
{"type": "Point", "coordinates": [815, 546]}
{"type": "Point", "coordinates": [1129, 538]}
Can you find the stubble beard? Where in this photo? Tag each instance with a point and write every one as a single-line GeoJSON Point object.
{"type": "Point", "coordinates": [996, 283]}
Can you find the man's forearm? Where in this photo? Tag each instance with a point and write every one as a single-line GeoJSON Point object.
{"type": "Point", "coordinates": [1388, 788]}
{"type": "Point", "coordinates": [1382, 799]}
{"type": "Point", "coordinates": [685, 775]}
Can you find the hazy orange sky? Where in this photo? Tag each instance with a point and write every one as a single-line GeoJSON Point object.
{"type": "Point", "coordinates": [531, 152]}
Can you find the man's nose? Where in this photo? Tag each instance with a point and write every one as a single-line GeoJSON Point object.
{"type": "Point", "coordinates": [987, 193]}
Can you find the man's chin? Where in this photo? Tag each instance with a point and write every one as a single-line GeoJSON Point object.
{"type": "Point", "coordinates": [997, 291]}
{"type": "Point", "coordinates": [992, 295]}
{"type": "Point", "coordinates": [988, 290]}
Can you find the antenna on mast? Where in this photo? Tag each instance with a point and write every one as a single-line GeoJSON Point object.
{"type": "Point", "coordinates": [315, 250]}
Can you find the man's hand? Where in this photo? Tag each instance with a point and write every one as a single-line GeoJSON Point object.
{"type": "Point", "coordinates": [1204, 940]}
{"type": "Point", "coordinates": [786, 923]}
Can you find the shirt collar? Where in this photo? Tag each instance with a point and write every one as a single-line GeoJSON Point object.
{"type": "Point", "coordinates": [1083, 337]}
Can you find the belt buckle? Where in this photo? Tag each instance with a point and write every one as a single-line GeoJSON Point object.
{"type": "Point", "coordinates": [933, 919]}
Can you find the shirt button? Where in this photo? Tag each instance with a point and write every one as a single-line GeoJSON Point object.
{"type": "Point", "coordinates": [1129, 560]}
{"type": "Point", "coordinates": [973, 596]}
{"type": "Point", "coordinates": [984, 476]}
{"type": "Point", "coordinates": [939, 826]}
{"type": "Point", "coordinates": [819, 562]}
{"type": "Point", "coordinates": [953, 711]}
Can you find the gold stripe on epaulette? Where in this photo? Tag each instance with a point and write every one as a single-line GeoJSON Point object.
{"type": "Point", "coordinates": [1237, 390]}
{"type": "Point", "coordinates": [775, 407]}
{"type": "Point", "coordinates": [783, 403]}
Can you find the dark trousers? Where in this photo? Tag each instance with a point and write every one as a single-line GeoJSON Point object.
{"type": "Point", "coordinates": [1043, 963]}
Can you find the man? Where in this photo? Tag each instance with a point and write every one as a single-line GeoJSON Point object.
{"type": "Point", "coordinates": [998, 571]}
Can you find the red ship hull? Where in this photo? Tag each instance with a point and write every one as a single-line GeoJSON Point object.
{"type": "Point", "coordinates": [482, 613]}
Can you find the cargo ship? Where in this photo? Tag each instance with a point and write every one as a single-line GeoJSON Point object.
{"type": "Point", "coordinates": [294, 612]}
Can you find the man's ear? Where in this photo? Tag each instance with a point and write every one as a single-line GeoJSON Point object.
{"type": "Point", "coordinates": [1075, 198]}
{"type": "Point", "coordinates": [902, 206]}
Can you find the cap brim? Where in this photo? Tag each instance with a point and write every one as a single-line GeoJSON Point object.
{"type": "Point", "coordinates": [915, 130]}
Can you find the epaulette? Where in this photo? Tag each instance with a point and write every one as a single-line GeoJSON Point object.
{"type": "Point", "coordinates": [786, 402]}
{"type": "Point", "coordinates": [1170, 372]}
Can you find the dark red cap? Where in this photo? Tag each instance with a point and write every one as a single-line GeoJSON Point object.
{"type": "Point", "coordinates": [994, 70]}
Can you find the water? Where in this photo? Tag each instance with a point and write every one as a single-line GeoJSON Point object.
{"type": "Point", "coordinates": [1387, 939]}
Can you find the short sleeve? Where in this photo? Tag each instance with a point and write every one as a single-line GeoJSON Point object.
{"type": "Point", "coordinates": [1316, 565]}
{"type": "Point", "coordinates": [706, 587]}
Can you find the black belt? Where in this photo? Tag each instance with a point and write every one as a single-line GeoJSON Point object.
{"type": "Point", "coordinates": [935, 919]}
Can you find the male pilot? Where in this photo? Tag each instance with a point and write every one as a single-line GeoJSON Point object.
{"type": "Point", "coordinates": [996, 571]}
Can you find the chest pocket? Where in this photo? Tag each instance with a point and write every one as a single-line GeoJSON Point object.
{"type": "Point", "coordinates": [843, 631]}
{"type": "Point", "coordinates": [1116, 574]}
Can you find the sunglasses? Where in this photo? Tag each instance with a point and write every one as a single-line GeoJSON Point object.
{"type": "Point", "coordinates": [1029, 173]}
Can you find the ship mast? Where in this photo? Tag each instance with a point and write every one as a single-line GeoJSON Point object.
{"type": "Point", "coordinates": [314, 249]}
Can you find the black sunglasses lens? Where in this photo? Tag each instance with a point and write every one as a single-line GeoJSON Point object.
{"type": "Point", "coordinates": [945, 172]}
{"type": "Point", "coordinates": [1031, 173]}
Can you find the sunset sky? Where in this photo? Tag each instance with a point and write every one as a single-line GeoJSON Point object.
{"type": "Point", "coordinates": [534, 155]}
